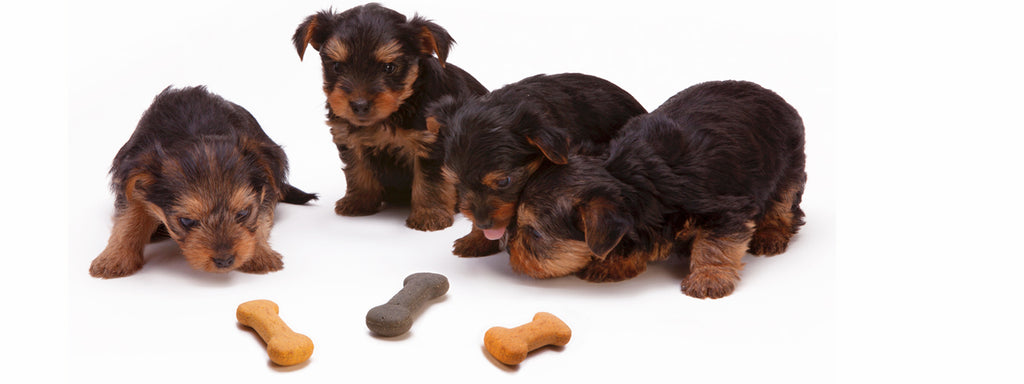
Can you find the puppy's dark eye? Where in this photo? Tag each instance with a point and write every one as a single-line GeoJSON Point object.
{"type": "Point", "coordinates": [241, 215]}
{"type": "Point", "coordinates": [336, 67]}
{"type": "Point", "coordinates": [536, 234]}
{"type": "Point", "coordinates": [504, 183]}
{"type": "Point", "coordinates": [389, 68]}
{"type": "Point", "coordinates": [187, 222]}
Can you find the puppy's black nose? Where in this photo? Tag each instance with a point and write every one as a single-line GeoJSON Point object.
{"type": "Point", "coordinates": [224, 261]}
{"type": "Point", "coordinates": [484, 223]}
{"type": "Point", "coordinates": [360, 107]}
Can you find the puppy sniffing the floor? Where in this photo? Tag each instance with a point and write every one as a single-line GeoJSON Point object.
{"type": "Point", "coordinates": [713, 173]}
{"type": "Point", "coordinates": [379, 74]}
{"type": "Point", "coordinates": [495, 142]}
{"type": "Point", "coordinates": [201, 168]}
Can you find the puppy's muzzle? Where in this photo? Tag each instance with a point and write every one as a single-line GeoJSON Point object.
{"type": "Point", "coordinates": [224, 261]}
{"type": "Point", "coordinates": [360, 107]}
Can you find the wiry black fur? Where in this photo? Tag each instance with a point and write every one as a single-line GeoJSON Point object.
{"type": "Point", "coordinates": [540, 118]}
{"type": "Point", "coordinates": [363, 29]}
{"type": "Point", "coordinates": [199, 169]}
{"type": "Point", "coordinates": [189, 124]}
{"type": "Point", "coordinates": [713, 157]}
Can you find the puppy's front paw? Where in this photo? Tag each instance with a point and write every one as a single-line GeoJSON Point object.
{"type": "Point", "coordinates": [475, 245]}
{"type": "Point", "coordinates": [356, 205]}
{"type": "Point", "coordinates": [429, 220]}
{"type": "Point", "coordinates": [265, 260]}
{"type": "Point", "coordinates": [710, 283]}
{"type": "Point", "coordinates": [109, 265]}
{"type": "Point", "coordinates": [610, 270]}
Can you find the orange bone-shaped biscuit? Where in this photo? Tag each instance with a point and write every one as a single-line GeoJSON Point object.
{"type": "Point", "coordinates": [510, 346]}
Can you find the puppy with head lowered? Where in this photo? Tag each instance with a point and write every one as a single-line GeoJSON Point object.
{"type": "Point", "coordinates": [715, 172]}
{"type": "Point", "coordinates": [200, 168]}
{"type": "Point", "coordinates": [495, 142]}
{"type": "Point", "coordinates": [379, 75]}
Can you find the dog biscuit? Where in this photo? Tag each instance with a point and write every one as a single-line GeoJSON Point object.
{"type": "Point", "coordinates": [510, 346]}
{"type": "Point", "coordinates": [395, 317]}
{"type": "Point", "coordinates": [284, 346]}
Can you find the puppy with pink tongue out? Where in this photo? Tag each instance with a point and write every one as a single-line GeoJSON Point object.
{"type": "Point", "coordinates": [495, 142]}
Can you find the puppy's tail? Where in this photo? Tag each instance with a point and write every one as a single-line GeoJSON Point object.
{"type": "Point", "coordinates": [296, 196]}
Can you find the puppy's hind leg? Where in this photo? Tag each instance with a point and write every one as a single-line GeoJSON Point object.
{"type": "Point", "coordinates": [133, 227]}
{"type": "Point", "coordinates": [782, 220]}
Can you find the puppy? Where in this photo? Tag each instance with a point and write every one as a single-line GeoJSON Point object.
{"type": "Point", "coordinates": [200, 169]}
{"type": "Point", "coordinates": [495, 142]}
{"type": "Point", "coordinates": [716, 171]}
{"type": "Point", "coordinates": [379, 75]}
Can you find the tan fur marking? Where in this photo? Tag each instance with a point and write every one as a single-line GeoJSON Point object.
{"type": "Point", "coordinates": [563, 258]}
{"type": "Point", "coordinates": [492, 178]}
{"type": "Point", "coordinates": [309, 36]}
{"type": "Point", "coordinates": [336, 50]}
{"type": "Point", "coordinates": [388, 102]}
{"type": "Point", "coordinates": [388, 52]}
{"type": "Point", "coordinates": [450, 176]}
{"type": "Point", "coordinates": [433, 125]}
{"type": "Point", "coordinates": [501, 212]}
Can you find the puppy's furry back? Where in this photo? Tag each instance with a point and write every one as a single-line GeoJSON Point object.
{"type": "Point", "coordinates": [178, 118]}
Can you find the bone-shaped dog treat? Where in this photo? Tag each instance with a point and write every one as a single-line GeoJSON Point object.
{"type": "Point", "coordinates": [510, 346]}
{"type": "Point", "coordinates": [395, 317]}
{"type": "Point", "coordinates": [284, 346]}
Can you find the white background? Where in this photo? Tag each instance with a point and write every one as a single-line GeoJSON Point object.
{"type": "Point", "coordinates": [904, 272]}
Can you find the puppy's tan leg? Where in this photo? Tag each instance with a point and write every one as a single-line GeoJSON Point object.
{"type": "Point", "coordinates": [264, 259]}
{"type": "Point", "coordinates": [776, 228]}
{"type": "Point", "coordinates": [433, 198]}
{"type": "Point", "coordinates": [364, 194]}
{"type": "Point", "coordinates": [133, 227]}
{"type": "Point", "coordinates": [475, 244]}
{"type": "Point", "coordinates": [715, 264]}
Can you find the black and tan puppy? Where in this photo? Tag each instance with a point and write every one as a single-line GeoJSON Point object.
{"type": "Point", "coordinates": [495, 142]}
{"type": "Point", "coordinates": [716, 171]}
{"type": "Point", "coordinates": [202, 168]}
{"type": "Point", "coordinates": [379, 75]}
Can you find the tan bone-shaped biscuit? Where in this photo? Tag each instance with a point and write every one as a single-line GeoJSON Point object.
{"type": "Point", "coordinates": [510, 346]}
{"type": "Point", "coordinates": [284, 346]}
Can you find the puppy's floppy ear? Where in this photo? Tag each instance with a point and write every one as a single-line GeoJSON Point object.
{"type": "Point", "coordinates": [603, 224]}
{"type": "Point", "coordinates": [270, 164]}
{"type": "Point", "coordinates": [432, 38]}
{"type": "Point", "coordinates": [313, 31]}
{"type": "Point", "coordinates": [551, 140]}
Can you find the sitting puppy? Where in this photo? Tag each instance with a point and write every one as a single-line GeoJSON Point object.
{"type": "Point", "coordinates": [379, 75]}
{"type": "Point", "coordinates": [714, 172]}
{"type": "Point", "coordinates": [495, 142]}
{"type": "Point", "coordinates": [200, 169]}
